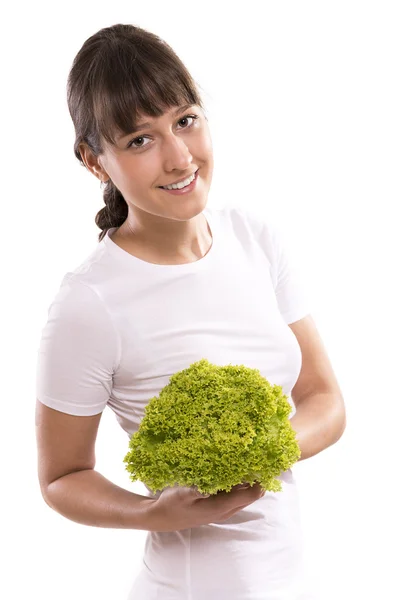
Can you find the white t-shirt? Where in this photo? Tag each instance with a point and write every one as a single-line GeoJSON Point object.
{"type": "Point", "coordinates": [117, 330]}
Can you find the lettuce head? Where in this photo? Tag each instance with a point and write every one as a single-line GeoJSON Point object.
{"type": "Point", "coordinates": [214, 427]}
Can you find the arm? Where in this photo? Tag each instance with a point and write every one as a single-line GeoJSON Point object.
{"type": "Point", "coordinates": [320, 418]}
{"type": "Point", "coordinates": [68, 481]}
{"type": "Point", "coordinates": [72, 487]}
{"type": "Point", "coordinates": [88, 498]}
{"type": "Point", "coordinates": [319, 422]}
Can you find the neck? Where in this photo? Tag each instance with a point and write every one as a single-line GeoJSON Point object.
{"type": "Point", "coordinates": [165, 240]}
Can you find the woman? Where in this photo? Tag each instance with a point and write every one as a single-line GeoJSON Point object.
{"type": "Point", "coordinates": [170, 282]}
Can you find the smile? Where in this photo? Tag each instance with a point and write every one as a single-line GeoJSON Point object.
{"type": "Point", "coordinates": [185, 187]}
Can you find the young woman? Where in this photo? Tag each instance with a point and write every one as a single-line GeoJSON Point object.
{"type": "Point", "coordinates": [170, 282]}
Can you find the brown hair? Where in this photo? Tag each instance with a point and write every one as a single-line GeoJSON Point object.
{"type": "Point", "coordinates": [119, 74]}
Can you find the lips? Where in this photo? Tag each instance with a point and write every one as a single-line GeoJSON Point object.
{"type": "Point", "coordinates": [180, 181]}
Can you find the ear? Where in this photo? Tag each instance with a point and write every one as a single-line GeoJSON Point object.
{"type": "Point", "coordinates": [93, 163]}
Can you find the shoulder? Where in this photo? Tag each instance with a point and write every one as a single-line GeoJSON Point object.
{"type": "Point", "coordinates": [77, 302]}
{"type": "Point", "coordinates": [251, 219]}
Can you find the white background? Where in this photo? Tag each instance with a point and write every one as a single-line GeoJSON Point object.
{"type": "Point", "coordinates": [303, 101]}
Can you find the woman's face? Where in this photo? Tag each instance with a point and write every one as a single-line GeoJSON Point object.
{"type": "Point", "coordinates": [161, 151]}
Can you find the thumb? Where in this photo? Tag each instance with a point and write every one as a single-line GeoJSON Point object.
{"type": "Point", "coordinates": [199, 494]}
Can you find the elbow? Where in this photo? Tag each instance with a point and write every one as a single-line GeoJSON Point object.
{"type": "Point", "coordinates": [45, 496]}
{"type": "Point", "coordinates": [341, 422]}
{"type": "Point", "coordinates": [45, 490]}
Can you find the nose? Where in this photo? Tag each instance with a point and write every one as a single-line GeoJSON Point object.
{"type": "Point", "coordinates": [176, 153]}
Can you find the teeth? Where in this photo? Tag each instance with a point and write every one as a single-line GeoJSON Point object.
{"type": "Point", "coordinates": [179, 186]}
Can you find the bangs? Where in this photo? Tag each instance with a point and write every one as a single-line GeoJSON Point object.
{"type": "Point", "coordinates": [127, 85]}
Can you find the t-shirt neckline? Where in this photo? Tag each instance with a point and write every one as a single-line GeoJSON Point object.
{"type": "Point", "coordinates": [132, 260]}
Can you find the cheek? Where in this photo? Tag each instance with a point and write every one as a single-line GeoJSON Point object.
{"type": "Point", "coordinates": [204, 148]}
{"type": "Point", "coordinates": [119, 170]}
{"type": "Point", "coordinates": [139, 172]}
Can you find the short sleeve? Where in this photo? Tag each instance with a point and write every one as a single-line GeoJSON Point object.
{"type": "Point", "coordinates": [286, 273]}
{"type": "Point", "coordinates": [78, 352]}
{"type": "Point", "coordinates": [289, 282]}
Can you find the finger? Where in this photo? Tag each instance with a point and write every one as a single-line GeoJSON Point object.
{"type": "Point", "coordinates": [197, 493]}
{"type": "Point", "coordinates": [232, 512]}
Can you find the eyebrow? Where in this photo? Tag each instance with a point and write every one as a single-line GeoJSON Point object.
{"type": "Point", "coordinates": [146, 125]}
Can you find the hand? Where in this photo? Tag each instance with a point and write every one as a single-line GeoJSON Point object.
{"type": "Point", "coordinates": [182, 507]}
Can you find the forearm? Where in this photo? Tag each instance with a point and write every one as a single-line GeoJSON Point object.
{"type": "Point", "coordinates": [88, 498]}
{"type": "Point", "coordinates": [319, 422]}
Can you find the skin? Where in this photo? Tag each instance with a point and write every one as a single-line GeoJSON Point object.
{"type": "Point", "coordinates": [162, 228]}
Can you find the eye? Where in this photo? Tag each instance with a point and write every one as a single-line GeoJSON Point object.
{"type": "Point", "coordinates": [132, 144]}
{"type": "Point", "coordinates": [194, 117]}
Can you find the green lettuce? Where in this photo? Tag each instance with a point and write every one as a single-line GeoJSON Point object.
{"type": "Point", "coordinates": [214, 427]}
